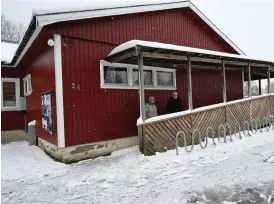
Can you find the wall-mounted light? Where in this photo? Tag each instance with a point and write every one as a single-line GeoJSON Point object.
{"type": "Point", "coordinates": [51, 42]}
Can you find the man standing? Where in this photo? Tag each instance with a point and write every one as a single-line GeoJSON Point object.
{"type": "Point", "coordinates": [151, 109]}
{"type": "Point", "coordinates": [174, 104]}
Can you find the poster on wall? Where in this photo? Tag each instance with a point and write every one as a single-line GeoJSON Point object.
{"type": "Point", "coordinates": [47, 122]}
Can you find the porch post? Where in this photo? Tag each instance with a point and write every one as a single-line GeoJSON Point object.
{"type": "Point", "coordinates": [268, 80]}
{"type": "Point", "coordinates": [141, 86]}
{"type": "Point", "coordinates": [249, 80]}
{"type": "Point", "coordinates": [190, 103]}
{"type": "Point", "coordinates": [224, 82]}
{"type": "Point", "coordinates": [243, 79]}
{"type": "Point", "coordinates": [260, 87]}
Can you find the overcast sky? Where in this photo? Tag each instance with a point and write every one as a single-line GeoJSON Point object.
{"type": "Point", "coordinates": [248, 23]}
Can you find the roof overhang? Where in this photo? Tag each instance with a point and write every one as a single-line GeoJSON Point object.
{"type": "Point", "coordinates": [174, 56]}
{"type": "Point", "coordinates": [25, 43]}
{"type": "Point", "coordinates": [44, 18]}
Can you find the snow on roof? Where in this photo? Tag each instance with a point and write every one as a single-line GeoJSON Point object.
{"type": "Point", "coordinates": [7, 51]}
{"type": "Point", "coordinates": [135, 43]}
{"type": "Point", "coordinates": [75, 12]}
{"type": "Point", "coordinates": [64, 11]}
{"type": "Point", "coordinates": [90, 6]}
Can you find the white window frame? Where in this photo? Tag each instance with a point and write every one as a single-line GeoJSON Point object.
{"type": "Point", "coordinates": [17, 94]}
{"type": "Point", "coordinates": [27, 80]}
{"type": "Point", "coordinates": [130, 84]}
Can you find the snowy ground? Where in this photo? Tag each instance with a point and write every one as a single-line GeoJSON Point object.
{"type": "Point", "coordinates": [237, 172]}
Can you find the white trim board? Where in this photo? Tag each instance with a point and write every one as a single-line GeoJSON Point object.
{"type": "Point", "coordinates": [59, 90]}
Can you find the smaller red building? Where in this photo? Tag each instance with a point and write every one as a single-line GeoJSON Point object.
{"type": "Point", "coordinates": [86, 107]}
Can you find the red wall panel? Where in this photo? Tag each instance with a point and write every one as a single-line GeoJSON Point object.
{"type": "Point", "coordinates": [42, 79]}
{"type": "Point", "coordinates": [10, 72]}
{"type": "Point", "coordinates": [12, 120]}
{"type": "Point", "coordinates": [206, 87]}
{"type": "Point", "coordinates": [93, 114]}
{"type": "Point", "coordinates": [234, 85]}
{"type": "Point", "coordinates": [176, 26]}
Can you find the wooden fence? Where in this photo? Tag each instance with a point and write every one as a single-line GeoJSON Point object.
{"type": "Point", "coordinates": [159, 135]}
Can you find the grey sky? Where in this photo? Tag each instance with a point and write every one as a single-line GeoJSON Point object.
{"type": "Point", "coordinates": [248, 23]}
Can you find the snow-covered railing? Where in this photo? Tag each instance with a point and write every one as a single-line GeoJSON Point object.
{"type": "Point", "coordinates": [201, 109]}
{"type": "Point", "coordinates": [194, 127]}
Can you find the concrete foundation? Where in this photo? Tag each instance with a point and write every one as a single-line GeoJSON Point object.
{"type": "Point", "coordinates": [13, 136]}
{"type": "Point", "coordinates": [86, 151]}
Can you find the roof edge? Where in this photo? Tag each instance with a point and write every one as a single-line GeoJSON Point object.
{"type": "Point", "coordinates": [38, 21]}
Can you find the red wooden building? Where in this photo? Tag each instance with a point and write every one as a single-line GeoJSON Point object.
{"type": "Point", "coordinates": [94, 105]}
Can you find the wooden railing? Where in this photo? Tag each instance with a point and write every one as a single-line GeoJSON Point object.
{"type": "Point", "coordinates": [158, 134]}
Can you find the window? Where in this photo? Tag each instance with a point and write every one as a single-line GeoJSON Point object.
{"type": "Point", "coordinates": [115, 75]}
{"type": "Point", "coordinates": [147, 77]}
{"type": "Point", "coordinates": [10, 94]}
{"type": "Point", "coordinates": [126, 76]}
{"type": "Point", "coordinates": [164, 78]}
{"type": "Point", "coordinates": [27, 85]}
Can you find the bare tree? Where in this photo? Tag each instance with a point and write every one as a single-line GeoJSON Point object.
{"type": "Point", "coordinates": [11, 31]}
{"type": "Point", "coordinates": [271, 87]}
{"type": "Point", "coordinates": [254, 88]}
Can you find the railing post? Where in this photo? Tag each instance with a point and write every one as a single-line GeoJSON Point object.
{"type": "Point", "coordinates": [141, 85]}
{"type": "Point", "coordinates": [260, 87]}
{"type": "Point", "coordinates": [249, 80]}
{"type": "Point", "coordinates": [268, 80]}
{"type": "Point", "coordinates": [243, 80]}
{"type": "Point", "coordinates": [190, 103]}
{"type": "Point", "coordinates": [224, 82]}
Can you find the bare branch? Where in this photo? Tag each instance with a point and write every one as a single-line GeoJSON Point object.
{"type": "Point", "coordinates": [11, 31]}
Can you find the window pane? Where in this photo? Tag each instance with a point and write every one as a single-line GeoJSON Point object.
{"type": "Point", "coordinates": [147, 77]}
{"type": "Point", "coordinates": [26, 86]}
{"type": "Point", "coordinates": [115, 75]}
{"type": "Point", "coordinates": [165, 78]}
{"type": "Point", "coordinates": [29, 85]}
{"type": "Point", "coordinates": [9, 96]}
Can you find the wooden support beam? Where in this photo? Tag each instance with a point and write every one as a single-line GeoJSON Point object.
{"type": "Point", "coordinates": [199, 59]}
{"type": "Point", "coordinates": [260, 87]}
{"type": "Point", "coordinates": [249, 80]}
{"type": "Point", "coordinates": [209, 60]}
{"type": "Point", "coordinates": [243, 81]}
{"type": "Point", "coordinates": [259, 73]}
{"type": "Point", "coordinates": [208, 67]}
{"type": "Point", "coordinates": [141, 87]}
{"type": "Point", "coordinates": [224, 82]}
{"type": "Point", "coordinates": [163, 56]}
{"type": "Point", "coordinates": [245, 64]}
{"type": "Point", "coordinates": [190, 103]}
{"type": "Point", "coordinates": [268, 80]}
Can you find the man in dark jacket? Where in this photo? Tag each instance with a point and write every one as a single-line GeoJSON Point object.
{"type": "Point", "coordinates": [174, 104]}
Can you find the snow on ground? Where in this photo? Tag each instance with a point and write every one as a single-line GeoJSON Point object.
{"type": "Point", "coordinates": [241, 171]}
